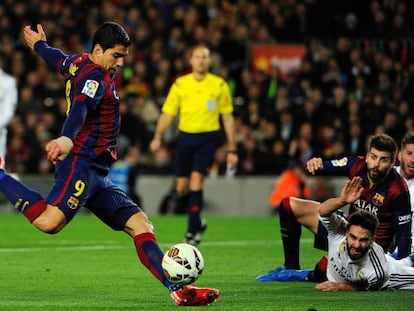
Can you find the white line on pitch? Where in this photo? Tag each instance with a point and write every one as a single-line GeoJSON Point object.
{"type": "Point", "coordinates": [111, 247]}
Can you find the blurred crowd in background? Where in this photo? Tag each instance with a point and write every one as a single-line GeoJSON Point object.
{"type": "Point", "coordinates": [356, 79]}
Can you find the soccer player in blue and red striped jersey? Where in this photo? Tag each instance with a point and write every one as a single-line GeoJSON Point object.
{"type": "Point", "coordinates": [385, 195]}
{"type": "Point", "coordinates": [84, 151]}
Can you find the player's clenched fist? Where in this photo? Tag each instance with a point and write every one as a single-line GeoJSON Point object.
{"type": "Point", "coordinates": [58, 148]}
{"type": "Point", "coordinates": [53, 151]}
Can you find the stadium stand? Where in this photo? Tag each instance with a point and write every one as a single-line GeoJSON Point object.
{"type": "Point", "coordinates": [355, 78]}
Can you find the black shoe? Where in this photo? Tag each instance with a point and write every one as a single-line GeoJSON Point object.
{"type": "Point", "coordinates": [195, 239]}
{"type": "Point", "coordinates": [318, 274]}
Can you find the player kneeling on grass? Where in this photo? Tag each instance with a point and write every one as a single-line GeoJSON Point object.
{"type": "Point", "coordinates": [385, 195]}
{"type": "Point", "coordinates": [356, 261]}
{"type": "Point", "coordinates": [84, 152]}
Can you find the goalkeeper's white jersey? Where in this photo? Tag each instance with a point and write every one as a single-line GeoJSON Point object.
{"type": "Point", "coordinates": [375, 271]}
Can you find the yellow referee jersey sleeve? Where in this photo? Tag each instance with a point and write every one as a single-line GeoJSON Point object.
{"type": "Point", "coordinates": [198, 103]}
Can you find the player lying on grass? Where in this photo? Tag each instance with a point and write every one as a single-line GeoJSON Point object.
{"type": "Point", "coordinates": [385, 195]}
{"type": "Point", "coordinates": [355, 260]}
{"type": "Point", "coordinates": [84, 152]}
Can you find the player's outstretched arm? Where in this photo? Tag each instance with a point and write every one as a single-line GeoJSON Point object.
{"type": "Point", "coordinates": [31, 36]}
{"type": "Point", "coordinates": [351, 191]}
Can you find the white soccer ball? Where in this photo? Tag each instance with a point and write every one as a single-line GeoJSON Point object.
{"type": "Point", "coordinates": [183, 264]}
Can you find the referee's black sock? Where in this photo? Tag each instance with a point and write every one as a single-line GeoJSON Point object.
{"type": "Point", "coordinates": [195, 205]}
{"type": "Point", "coordinates": [291, 231]}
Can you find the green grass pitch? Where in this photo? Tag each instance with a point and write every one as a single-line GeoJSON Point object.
{"type": "Point", "coordinates": [89, 267]}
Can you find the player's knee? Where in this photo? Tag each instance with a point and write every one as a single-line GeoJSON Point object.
{"type": "Point", "coordinates": [294, 203]}
{"type": "Point", "coordinates": [143, 223]}
{"type": "Point", "coordinates": [301, 207]}
{"type": "Point", "coordinates": [48, 225]}
{"type": "Point", "coordinates": [138, 224]}
{"type": "Point", "coordinates": [196, 181]}
{"type": "Point", "coordinates": [149, 227]}
{"type": "Point", "coordinates": [182, 190]}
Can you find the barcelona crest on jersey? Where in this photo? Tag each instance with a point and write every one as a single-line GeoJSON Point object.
{"type": "Point", "coordinates": [378, 199]}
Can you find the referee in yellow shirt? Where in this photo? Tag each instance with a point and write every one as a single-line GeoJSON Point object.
{"type": "Point", "coordinates": [199, 98]}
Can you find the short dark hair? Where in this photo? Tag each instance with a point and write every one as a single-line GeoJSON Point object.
{"type": "Point", "coordinates": [383, 142]}
{"type": "Point", "coordinates": [110, 34]}
{"type": "Point", "coordinates": [363, 219]}
{"type": "Point", "coordinates": [407, 139]}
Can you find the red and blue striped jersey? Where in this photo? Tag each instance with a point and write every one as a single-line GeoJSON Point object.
{"type": "Point", "coordinates": [93, 117]}
{"type": "Point", "coordinates": [388, 200]}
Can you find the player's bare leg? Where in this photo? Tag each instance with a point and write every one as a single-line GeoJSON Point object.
{"type": "Point", "coordinates": [306, 212]}
{"type": "Point", "coordinates": [51, 220]}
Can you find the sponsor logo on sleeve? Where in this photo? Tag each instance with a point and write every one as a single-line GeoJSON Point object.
{"type": "Point", "coordinates": [340, 162]}
{"type": "Point", "coordinates": [90, 88]}
{"type": "Point", "coordinates": [403, 219]}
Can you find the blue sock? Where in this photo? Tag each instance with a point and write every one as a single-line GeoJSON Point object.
{"type": "Point", "coordinates": [2, 173]}
{"type": "Point", "coordinates": [17, 193]}
{"type": "Point", "coordinates": [290, 231]}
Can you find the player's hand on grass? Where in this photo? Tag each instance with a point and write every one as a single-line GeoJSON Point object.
{"type": "Point", "coordinates": [329, 286]}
